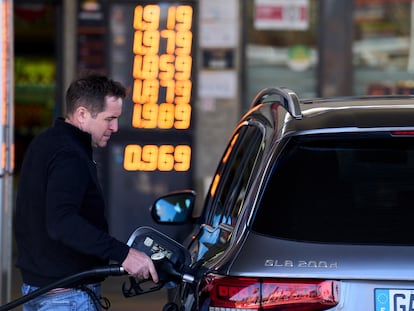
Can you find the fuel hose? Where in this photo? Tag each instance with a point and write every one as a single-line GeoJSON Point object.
{"type": "Point", "coordinates": [111, 270]}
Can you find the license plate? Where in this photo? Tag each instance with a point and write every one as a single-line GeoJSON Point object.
{"type": "Point", "coordinates": [394, 299]}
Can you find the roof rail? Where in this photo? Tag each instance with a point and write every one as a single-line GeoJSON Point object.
{"type": "Point", "coordinates": [290, 100]}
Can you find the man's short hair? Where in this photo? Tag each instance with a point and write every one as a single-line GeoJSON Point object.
{"type": "Point", "coordinates": [90, 91]}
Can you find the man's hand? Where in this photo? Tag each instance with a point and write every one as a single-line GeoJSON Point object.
{"type": "Point", "coordinates": [140, 265]}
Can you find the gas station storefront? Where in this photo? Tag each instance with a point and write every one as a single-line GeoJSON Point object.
{"type": "Point", "coordinates": [192, 68]}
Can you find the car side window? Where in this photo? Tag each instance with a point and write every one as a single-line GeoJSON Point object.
{"type": "Point", "coordinates": [232, 177]}
{"type": "Point", "coordinates": [225, 199]}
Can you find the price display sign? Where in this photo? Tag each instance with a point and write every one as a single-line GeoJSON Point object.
{"type": "Point", "coordinates": [162, 67]}
{"type": "Point", "coordinates": [162, 89]}
{"type": "Point", "coordinates": [152, 49]}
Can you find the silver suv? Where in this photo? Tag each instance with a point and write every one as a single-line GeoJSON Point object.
{"type": "Point", "coordinates": [311, 208]}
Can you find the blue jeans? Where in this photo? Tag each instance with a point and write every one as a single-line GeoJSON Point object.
{"type": "Point", "coordinates": [62, 299]}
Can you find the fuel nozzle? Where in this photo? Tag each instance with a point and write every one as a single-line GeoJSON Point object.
{"type": "Point", "coordinates": [166, 270]}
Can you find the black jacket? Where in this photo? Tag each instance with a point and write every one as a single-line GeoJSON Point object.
{"type": "Point", "coordinates": [60, 226]}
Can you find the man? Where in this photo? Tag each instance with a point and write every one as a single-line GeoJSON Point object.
{"type": "Point", "coordinates": [60, 226]}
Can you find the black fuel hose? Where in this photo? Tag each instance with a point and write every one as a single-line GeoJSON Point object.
{"type": "Point", "coordinates": [111, 270]}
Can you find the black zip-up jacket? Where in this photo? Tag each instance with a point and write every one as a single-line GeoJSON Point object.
{"type": "Point", "coordinates": [60, 226]}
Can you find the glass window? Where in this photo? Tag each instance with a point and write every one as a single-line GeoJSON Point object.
{"type": "Point", "coordinates": [281, 45]}
{"type": "Point", "coordinates": [383, 50]}
{"type": "Point", "coordinates": [233, 176]}
{"type": "Point", "coordinates": [35, 66]}
{"type": "Point", "coordinates": [229, 186]}
{"type": "Point", "coordinates": [346, 191]}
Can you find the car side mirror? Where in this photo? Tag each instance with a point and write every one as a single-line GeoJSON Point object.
{"type": "Point", "coordinates": [174, 208]}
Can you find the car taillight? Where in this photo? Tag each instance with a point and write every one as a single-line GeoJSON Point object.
{"type": "Point", "coordinates": [402, 133]}
{"type": "Point", "coordinates": [235, 294]}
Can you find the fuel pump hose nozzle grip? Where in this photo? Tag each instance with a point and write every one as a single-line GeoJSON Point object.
{"type": "Point", "coordinates": [167, 271]}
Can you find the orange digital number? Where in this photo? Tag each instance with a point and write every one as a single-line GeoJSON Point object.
{"type": "Point", "coordinates": [167, 68]}
{"type": "Point", "coordinates": [149, 157]}
{"type": "Point", "coordinates": [145, 91]}
{"type": "Point", "coordinates": [146, 67]}
{"type": "Point", "coordinates": [183, 42]}
{"type": "Point", "coordinates": [184, 17]}
{"type": "Point", "coordinates": [180, 18]}
{"type": "Point", "coordinates": [163, 116]}
{"type": "Point", "coordinates": [183, 67]}
{"type": "Point", "coordinates": [166, 158]}
{"type": "Point", "coordinates": [170, 90]}
{"type": "Point", "coordinates": [166, 116]}
{"type": "Point", "coordinates": [137, 158]}
{"type": "Point", "coordinates": [153, 157]}
{"type": "Point", "coordinates": [171, 41]}
{"type": "Point", "coordinates": [171, 17]}
{"type": "Point", "coordinates": [132, 157]}
{"type": "Point", "coordinates": [182, 157]}
{"type": "Point", "coordinates": [183, 92]}
{"type": "Point", "coordinates": [150, 116]}
{"type": "Point", "coordinates": [147, 18]}
{"type": "Point", "coordinates": [182, 116]}
{"type": "Point", "coordinates": [146, 42]}
{"type": "Point", "coordinates": [145, 116]}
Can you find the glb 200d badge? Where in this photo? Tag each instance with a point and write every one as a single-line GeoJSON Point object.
{"type": "Point", "coordinates": [288, 263]}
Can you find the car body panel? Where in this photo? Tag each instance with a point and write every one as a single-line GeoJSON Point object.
{"type": "Point", "coordinates": [287, 259]}
{"type": "Point", "coordinates": [224, 240]}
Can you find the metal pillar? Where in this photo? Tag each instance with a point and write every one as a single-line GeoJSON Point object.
{"type": "Point", "coordinates": [68, 51]}
{"type": "Point", "coordinates": [335, 48]}
{"type": "Point", "coordinates": [6, 147]}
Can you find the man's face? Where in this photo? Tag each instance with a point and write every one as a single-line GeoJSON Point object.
{"type": "Point", "coordinates": [105, 123]}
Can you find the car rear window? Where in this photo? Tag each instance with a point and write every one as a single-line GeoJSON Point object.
{"type": "Point", "coordinates": [351, 190]}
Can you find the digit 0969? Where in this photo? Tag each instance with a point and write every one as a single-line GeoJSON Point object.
{"type": "Point", "coordinates": [153, 157]}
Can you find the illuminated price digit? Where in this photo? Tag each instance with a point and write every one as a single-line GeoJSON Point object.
{"type": "Point", "coordinates": [138, 15]}
{"type": "Point", "coordinates": [171, 17]}
{"type": "Point", "coordinates": [149, 157]}
{"type": "Point", "coordinates": [170, 36]}
{"type": "Point", "coordinates": [184, 17]}
{"type": "Point", "coordinates": [145, 115]}
{"type": "Point", "coordinates": [145, 91]}
{"type": "Point", "coordinates": [167, 68]}
{"type": "Point", "coordinates": [146, 67]}
{"type": "Point", "coordinates": [149, 116]}
{"type": "Point", "coordinates": [182, 157]}
{"type": "Point", "coordinates": [183, 42]}
{"type": "Point", "coordinates": [183, 67]}
{"type": "Point", "coordinates": [147, 18]}
{"type": "Point", "coordinates": [166, 116]}
{"type": "Point", "coordinates": [170, 90]}
{"type": "Point", "coordinates": [183, 92]}
{"type": "Point", "coordinates": [166, 158]}
{"type": "Point", "coordinates": [147, 42]}
{"type": "Point", "coordinates": [182, 116]}
{"type": "Point", "coordinates": [136, 116]}
{"type": "Point", "coordinates": [132, 158]}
